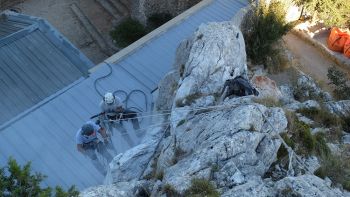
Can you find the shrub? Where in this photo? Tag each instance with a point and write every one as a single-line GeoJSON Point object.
{"type": "Point", "coordinates": [178, 153]}
{"type": "Point", "coordinates": [20, 181]}
{"type": "Point", "coordinates": [181, 122]}
{"type": "Point", "coordinates": [262, 29]}
{"type": "Point", "coordinates": [331, 12]}
{"type": "Point", "coordinates": [340, 82]}
{"type": "Point", "coordinates": [321, 116]}
{"type": "Point", "coordinates": [170, 191]}
{"type": "Point", "coordinates": [282, 151]}
{"type": "Point", "coordinates": [304, 142]}
{"type": "Point", "coordinates": [158, 19]}
{"type": "Point", "coordinates": [201, 187]}
{"type": "Point", "coordinates": [337, 168]}
{"type": "Point", "coordinates": [346, 123]}
{"type": "Point", "coordinates": [128, 32]}
{"type": "Point", "coordinates": [321, 147]}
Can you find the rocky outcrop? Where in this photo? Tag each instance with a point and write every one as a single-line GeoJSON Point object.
{"type": "Point", "coordinates": [233, 143]}
{"type": "Point", "coordinates": [236, 139]}
{"type": "Point", "coordinates": [267, 87]}
{"type": "Point", "coordinates": [305, 185]}
{"type": "Point", "coordinates": [216, 53]}
{"type": "Point", "coordinates": [307, 89]}
{"type": "Point", "coordinates": [166, 91]}
{"type": "Point", "coordinates": [341, 108]}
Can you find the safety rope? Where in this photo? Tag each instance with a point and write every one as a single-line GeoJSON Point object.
{"type": "Point", "coordinates": [291, 152]}
{"type": "Point", "coordinates": [127, 95]}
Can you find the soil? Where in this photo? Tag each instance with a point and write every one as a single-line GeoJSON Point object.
{"type": "Point", "coordinates": [59, 14]}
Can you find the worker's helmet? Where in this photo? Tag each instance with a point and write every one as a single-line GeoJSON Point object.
{"type": "Point", "coordinates": [109, 98]}
{"type": "Point", "coordinates": [87, 129]}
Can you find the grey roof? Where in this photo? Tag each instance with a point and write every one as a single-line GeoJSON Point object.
{"type": "Point", "coordinates": [45, 135]}
{"type": "Point", "coordinates": [35, 62]}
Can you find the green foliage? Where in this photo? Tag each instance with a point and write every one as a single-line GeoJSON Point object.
{"type": "Point", "coordinates": [303, 135]}
{"type": "Point", "coordinates": [332, 12]}
{"type": "Point", "coordinates": [321, 147]}
{"type": "Point", "coordinates": [20, 181]}
{"type": "Point", "coordinates": [346, 123]}
{"type": "Point", "coordinates": [303, 142]}
{"type": "Point", "coordinates": [321, 116]}
{"type": "Point", "coordinates": [340, 82]}
{"type": "Point", "coordinates": [201, 188]}
{"type": "Point", "coordinates": [160, 175]}
{"type": "Point", "coordinates": [335, 167]}
{"type": "Point", "coordinates": [128, 32]}
{"type": "Point", "coordinates": [282, 151]}
{"type": "Point", "coordinates": [178, 154]}
{"type": "Point", "coordinates": [170, 191]}
{"type": "Point", "coordinates": [262, 29]}
{"type": "Point", "coordinates": [158, 19]}
{"type": "Point", "coordinates": [181, 122]}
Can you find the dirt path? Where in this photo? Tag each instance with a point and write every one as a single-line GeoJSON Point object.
{"type": "Point", "coordinates": [59, 14]}
{"type": "Point", "coordinates": [312, 61]}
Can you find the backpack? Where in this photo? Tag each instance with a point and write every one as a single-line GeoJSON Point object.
{"type": "Point", "coordinates": [239, 86]}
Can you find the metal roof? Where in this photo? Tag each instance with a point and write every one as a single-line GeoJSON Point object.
{"type": "Point", "coordinates": [35, 62]}
{"type": "Point", "coordinates": [45, 134]}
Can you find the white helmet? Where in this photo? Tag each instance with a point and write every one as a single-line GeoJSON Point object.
{"type": "Point", "coordinates": [109, 98]}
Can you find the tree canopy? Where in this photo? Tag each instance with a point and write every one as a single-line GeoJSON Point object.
{"type": "Point", "coordinates": [20, 181]}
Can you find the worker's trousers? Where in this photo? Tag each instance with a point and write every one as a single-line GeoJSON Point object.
{"type": "Point", "coordinates": [90, 151]}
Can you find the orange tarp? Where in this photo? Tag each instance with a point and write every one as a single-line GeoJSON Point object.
{"type": "Point", "coordinates": [347, 47]}
{"type": "Point", "coordinates": [337, 39]}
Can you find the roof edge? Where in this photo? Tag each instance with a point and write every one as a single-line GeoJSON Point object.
{"type": "Point", "coordinates": [153, 34]}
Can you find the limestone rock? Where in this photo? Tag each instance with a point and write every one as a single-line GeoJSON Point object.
{"type": "Point", "coordinates": [267, 87]}
{"type": "Point", "coordinates": [346, 139]}
{"type": "Point", "coordinates": [287, 94]}
{"type": "Point", "coordinates": [307, 89]}
{"type": "Point", "coordinates": [305, 185]}
{"type": "Point", "coordinates": [216, 53]}
{"type": "Point", "coordinates": [237, 139]}
{"type": "Point", "coordinates": [120, 189]}
{"type": "Point", "coordinates": [341, 108]}
{"type": "Point", "coordinates": [131, 165]}
{"type": "Point", "coordinates": [166, 91]}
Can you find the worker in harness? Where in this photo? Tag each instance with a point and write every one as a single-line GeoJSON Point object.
{"type": "Point", "coordinates": [88, 143]}
{"type": "Point", "coordinates": [113, 110]}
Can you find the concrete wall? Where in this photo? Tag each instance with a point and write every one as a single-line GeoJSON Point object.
{"type": "Point", "coordinates": [141, 9]}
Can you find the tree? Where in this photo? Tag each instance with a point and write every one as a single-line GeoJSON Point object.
{"type": "Point", "coordinates": [262, 28]}
{"type": "Point", "coordinates": [20, 181]}
{"type": "Point", "coordinates": [331, 12]}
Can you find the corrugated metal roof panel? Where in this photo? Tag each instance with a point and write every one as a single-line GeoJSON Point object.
{"type": "Point", "coordinates": [34, 63]}
{"type": "Point", "coordinates": [53, 125]}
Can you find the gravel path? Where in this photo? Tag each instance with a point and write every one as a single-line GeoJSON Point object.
{"type": "Point", "coordinates": [312, 61]}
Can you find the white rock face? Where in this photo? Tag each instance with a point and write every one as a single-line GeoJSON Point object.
{"type": "Point", "coordinates": [233, 143]}
{"type": "Point", "coordinates": [307, 89]}
{"type": "Point", "coordinates": [305, 185]}
{"type": "Point", "coordinates": [341, 108]}
{"type": "Point", "coordinates": [215, 51]}
{"type": "Point", "coordinates": [235, 139]}
{"type": "Point", "coordinates": [167, 88]}
{"type": "Point", "coordinates": [267, 87]}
